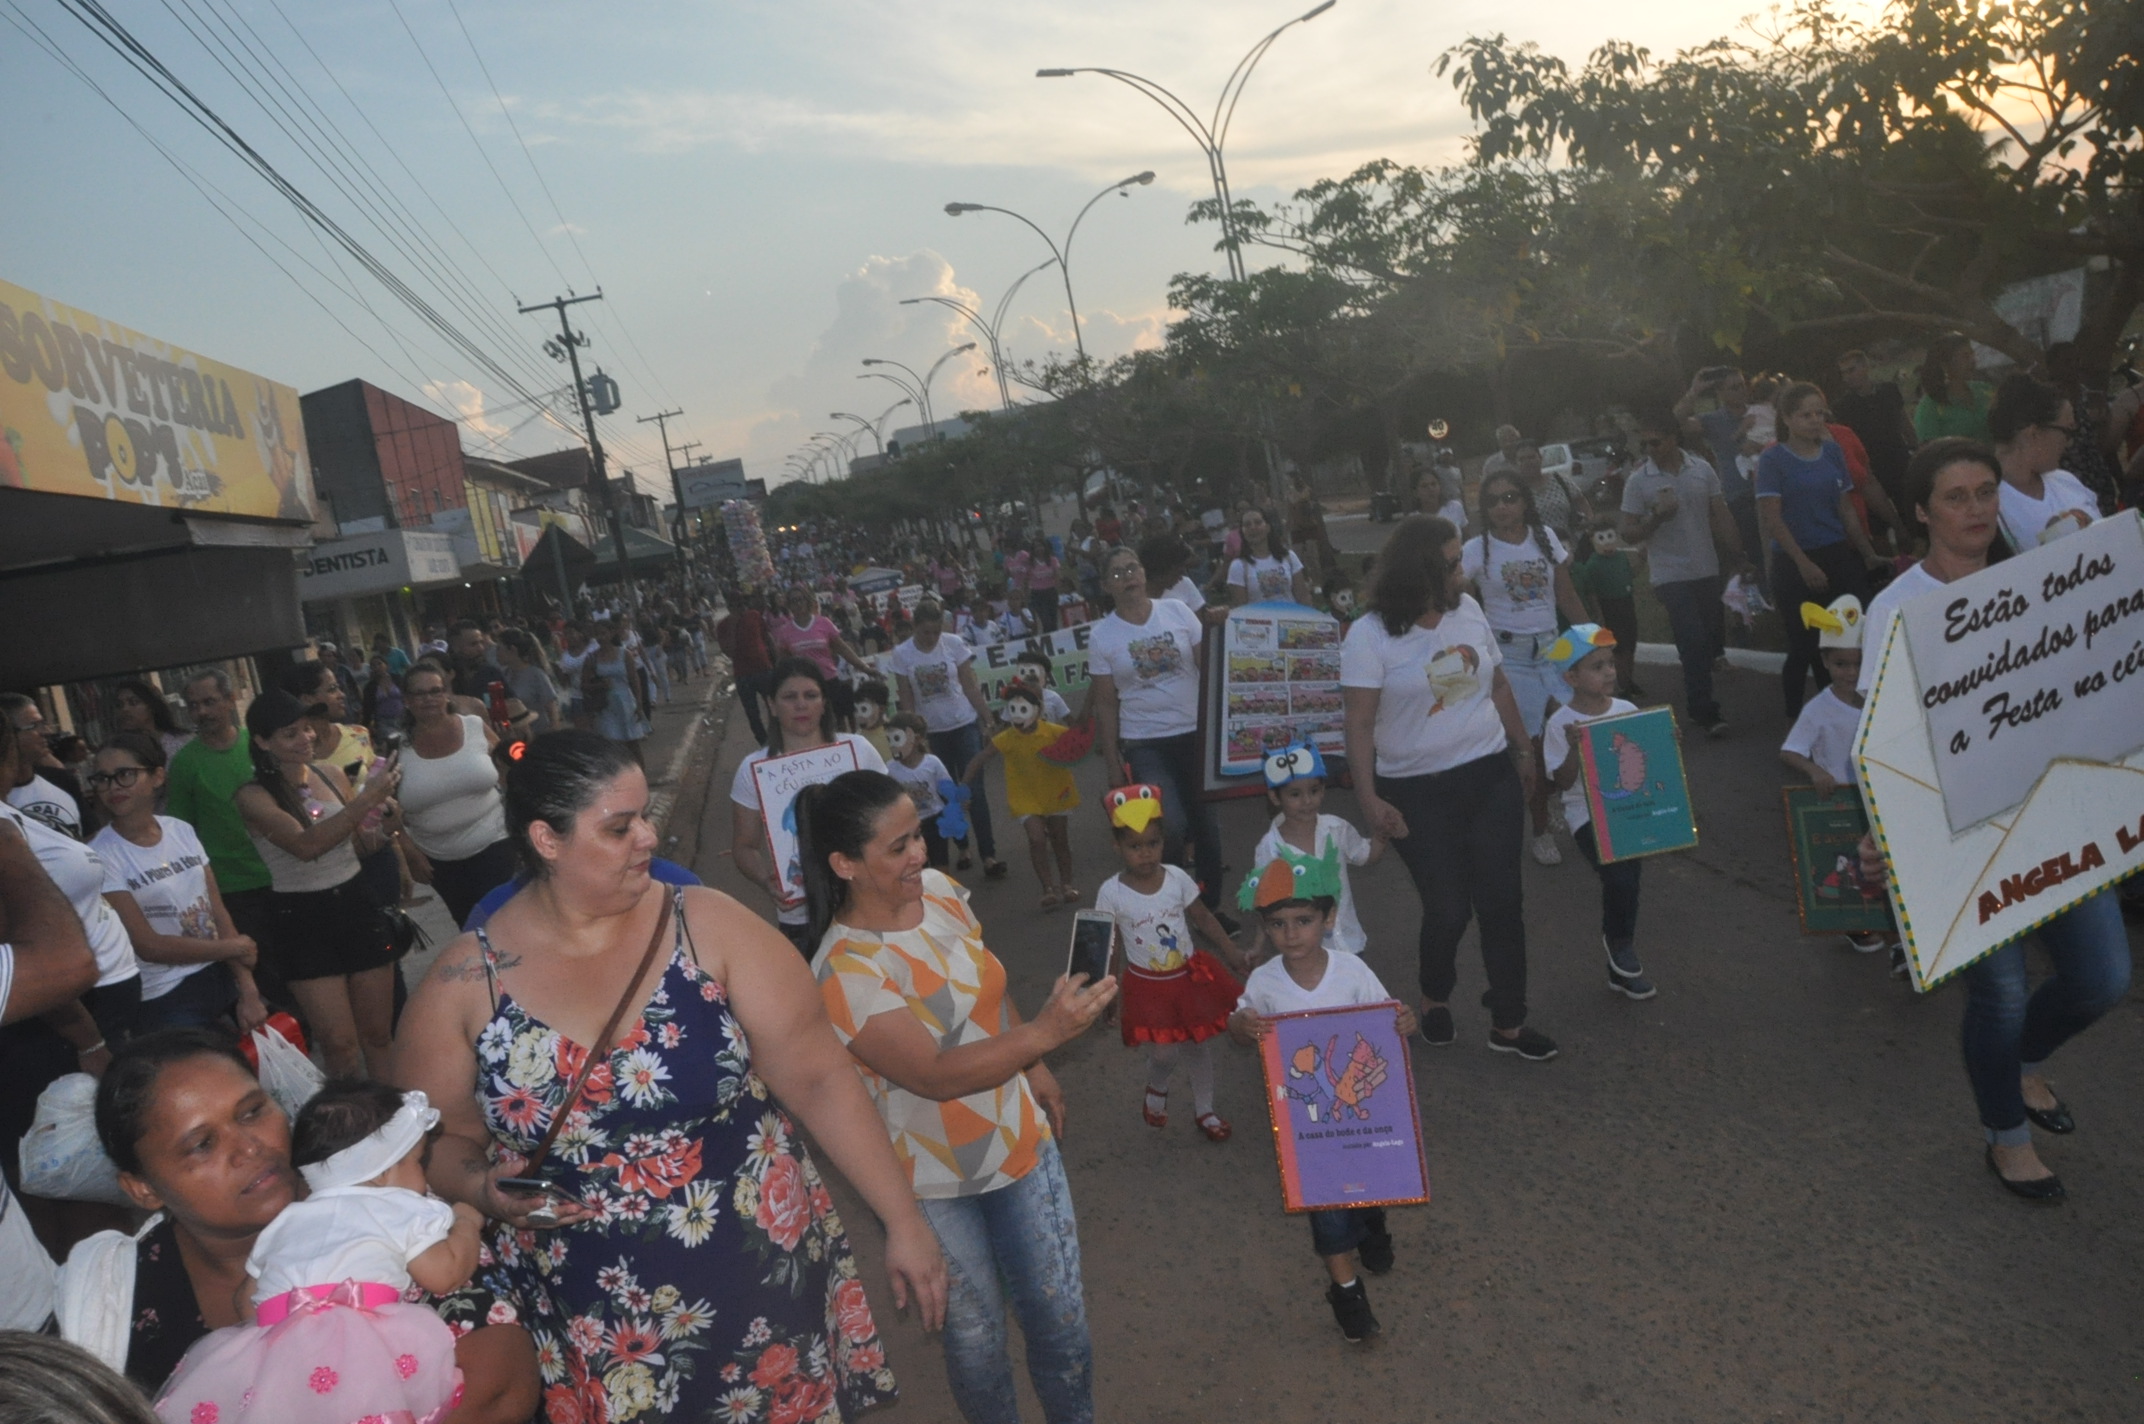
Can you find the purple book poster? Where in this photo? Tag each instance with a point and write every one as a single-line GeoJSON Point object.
{"type": "Point", "coordinates": [1340, 1094]}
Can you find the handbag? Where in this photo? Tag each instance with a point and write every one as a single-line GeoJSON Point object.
{"type": "Point", "coordinates": [598, 1051]}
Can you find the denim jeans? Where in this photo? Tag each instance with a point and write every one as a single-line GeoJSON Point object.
{"type": "Point", "coordinates": [2008, 1034]}
{"type": "Point", "coordinates": [1689, 603]}
{"type": "Point", "coordinates": [1619, 891]}
{"type": "Point", "coordinates": [1335, 1233]}
{"type": "Point", "coordinates": [1172, 765]}
{"type": "Point", "coordinates": [203, 999]}
{"type": "Point", "coordinates": [956, 749]}
{"type": "Point", "coordinates": [1019, 1242]}
{"type": "Point", "coordinates": [1466, 829]}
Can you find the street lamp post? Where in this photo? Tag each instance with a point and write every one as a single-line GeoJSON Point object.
{"type": "Point", "coordinates": [1063, 255]}
{"type": "Point", "coordinates": [920, 392]}
{"type": "Point", "coordinates": [1211, 135]}
{"type": "Point", "coordinates": [989, 327]}
{"type": "Point", "coordinates": [866, 425]}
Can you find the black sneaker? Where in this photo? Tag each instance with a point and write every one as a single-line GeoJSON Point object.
{"type": "Point", "coordinates": [1625, 975]}
{"type": "Point", "coordinates": [1351, 1308]}
{"type": "Point", "coordinates": [1377, 1251]}
{"type": "Point", "coordinates": [1437, 1028]}
{"type": "Point", "coordinates": [1716, 728]}
{"type": "Point", "coordinates": [1530, 1044]}
{"type": "Point", "coordinates": [1635, 986]}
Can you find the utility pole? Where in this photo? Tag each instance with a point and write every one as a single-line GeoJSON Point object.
{"type": "Point", "coordinates": [661, 421]}
{"type": "Point", "coordinates": [682, 451]}
{"type": "Point", "coordinates": [568, 348]}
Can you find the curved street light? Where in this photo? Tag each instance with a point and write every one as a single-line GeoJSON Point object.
{"type": "Point", "coordinates": [1210, 135]}
{"type": "Point", "coordinates": [932, 373]}
{"type": "Point", "coordinates": [1062, 255]}
{"type": "Point", "coordinates": [991, 326]}
{"type": "Point", "coordinates": [920, 392]}
{"type": "Point", "coordinates": [866, 425]}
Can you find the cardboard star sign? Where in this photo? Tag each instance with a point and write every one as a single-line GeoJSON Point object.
{"type": "Point", "coordinates": [2002, 752]}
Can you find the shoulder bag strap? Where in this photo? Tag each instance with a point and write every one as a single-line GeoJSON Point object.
{"type": "Point", "coordinates": [600, 1049]}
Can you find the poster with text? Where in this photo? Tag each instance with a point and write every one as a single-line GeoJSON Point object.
{"type": "Point", "coordinates": [2018, 688]}
{"type": "Point", "coordinates": [1824, 832]}
{"type": "Point", "coordinates": [1631, 770]}
{"type": "Point", "coordinates": [1340, 1096]}
{"type": "Point", "coordinates": [1280, 683]}
{"type": "Point", "coordinates": [778, 780]}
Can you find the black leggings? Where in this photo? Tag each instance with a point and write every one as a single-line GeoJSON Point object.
{"type": "Point", "coordinates": [1845, 573]}
{"type": "Point", "coordinates": [1465, 832]}
{"type": "Point", "coordinates": [461, 883]}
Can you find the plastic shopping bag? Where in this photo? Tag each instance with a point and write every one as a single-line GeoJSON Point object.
{"type": "Point", "coordinates": [61, 1157]}
{"type": "Point", "coordinates": [286, 1073]}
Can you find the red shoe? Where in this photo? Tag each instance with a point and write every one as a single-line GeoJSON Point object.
{"type": "Point", "coordinates": [1215, 1127]}
{"type": "Point", "coordinates": [1153, 1118]}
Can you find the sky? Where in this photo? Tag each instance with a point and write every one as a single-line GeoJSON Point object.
{"type": "Point", "coordinates": [754, 185]}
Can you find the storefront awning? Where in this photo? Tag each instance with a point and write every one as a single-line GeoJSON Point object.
{"type": "Point", "coordinates": [644, 549]}
{"type": "Point", "coordinates": [361, 564]}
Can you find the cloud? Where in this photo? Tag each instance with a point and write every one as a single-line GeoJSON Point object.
{"type": "Point", "coordinates": [467, 403]}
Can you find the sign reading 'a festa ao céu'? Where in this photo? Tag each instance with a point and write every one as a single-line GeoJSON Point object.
{"type": "Point", "coordinates": [2002, 752]}
{"type": "Point", "coordinates": [88, 407]}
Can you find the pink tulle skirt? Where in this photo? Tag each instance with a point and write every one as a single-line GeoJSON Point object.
{"type": "Point", "coordinates": [331, 1360]}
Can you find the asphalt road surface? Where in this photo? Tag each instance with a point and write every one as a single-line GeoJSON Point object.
{"type": "Point", "coordinates": [1757, 1196]}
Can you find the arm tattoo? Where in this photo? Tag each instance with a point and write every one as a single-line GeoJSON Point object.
{"type": "Point", "coordinates": [463, 971]}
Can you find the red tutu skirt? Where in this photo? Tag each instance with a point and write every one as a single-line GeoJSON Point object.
{"type": "Point", "coordinates": [341, 1355]}
{"type": "Point", "coordinates": [1187, 1005]}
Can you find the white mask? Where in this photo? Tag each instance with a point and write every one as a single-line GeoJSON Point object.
{"type": "Point", "coordinates": [867, 714]}
{"type": "Point", "coordinates": [1022, 713]}
{"type": "Point", "coordinates": [899, 738]}
{"type": "Point", "coordinates": [1343, 601]}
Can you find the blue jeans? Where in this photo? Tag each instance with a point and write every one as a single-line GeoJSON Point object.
{"type": "Point", "coordinates": [2008, 1034]}
{"type": "Point", "coordinates": [1344, 1229]}
{"type": "Point", "coordinates": [202, 999]}
{"type": "Point", "coordinates": [1690, 604]}
{"type": "Point", "coordinates": [956, 749]}
{"type": "Point", "coordinates": [1019, 1241]}
{"type": "Point", "coordinates": [1171, 764]}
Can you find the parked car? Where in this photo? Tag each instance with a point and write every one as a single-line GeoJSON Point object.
{"type": "Point", "coordinates": [1594, 467]}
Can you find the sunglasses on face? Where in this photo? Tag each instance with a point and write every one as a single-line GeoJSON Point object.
{"type": "Point", "coordinates": [122, 777]}
{"type": "Point", "coordinates": [1507, 497]}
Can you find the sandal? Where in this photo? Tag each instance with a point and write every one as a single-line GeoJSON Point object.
{"type": "Point", "coordinates": [1215, 1127]}
{"type": "Point", "coordinates": [964, 862]}
{"type": "Point", "coordinates": [1147, 1110]}
{"type": "Point", "coordinates": [1049, 899]}
{"type": "Point", "coordinates": [994, 869]}
{"type": "Point", "coordinates": [1068, 896]}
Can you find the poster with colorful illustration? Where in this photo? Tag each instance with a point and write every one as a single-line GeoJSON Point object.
{"type": "Point", "coordinates": [1340, 1097]}
{"type": "Point", "coordinates": [1631, 769]}
{"type": "Point", "coordinates": [778, 780]}
{"type": "Point", "coordinates": [1280, 683]}
{"type": "Point", "coordinates": [1824, 833]}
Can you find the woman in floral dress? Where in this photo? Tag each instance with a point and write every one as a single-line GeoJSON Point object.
{"type": "Point", "coordinates": [690, 1265]}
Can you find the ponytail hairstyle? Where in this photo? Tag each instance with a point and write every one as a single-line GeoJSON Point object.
{"type": "Point", "coordinates": [266, 715]}
{"type": "Point", "coordinates": [2022, 402]}
{"type": "Point", "coordinates": [838, 815]}
{"type": "Point", "coordinates": [1526, 504]}
{"type": "Point", "coordinates": [557, 777]}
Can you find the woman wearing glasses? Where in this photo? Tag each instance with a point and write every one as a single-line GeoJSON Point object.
{"type": "Point", "coordinates": [1522, 574]}
{"type": "Point", "coordinates": [196, 967]}
{"type": "Point", "coordinates": [2032, 423]}
{"type": "Point", "coordinates": [1144, 659]}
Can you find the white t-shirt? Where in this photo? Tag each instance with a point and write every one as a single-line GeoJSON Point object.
{"type": "Point", "coordinates": [30, 1275]}
{"type": "Point", "coordinates": [79, 873]}
{"type": "Point", "coordinates": [1518, 585]}
{"type": "Point", "coordinates": [1882, 610]}
{"type": "Point", "coordinates": [1556, 745]}
{"type": "Point", "coordinates": [1055, 708]}
{"type": "Point", "coordinates": [347, 1233]}
{"type": "Point", "coordinates": [169, 880]}
{"type": "Point", "coordinates": [1346, 933]}
{"type": "Point", "coordinates": [1266, 578]}
{"type": "Point", "coordinates": [745, 792]}
{"type": "Point", "coordinates": [1155, 934]}
{"type": "Point", "coordinates": [1187, 593]}
{"type": "Point", "coordinates": [921, 783]}
{"type": "Point", "coordinates": [1434, 711]}
{"type": "Point", "coordinates": [2028, 523]}
{"type": "Point", "coordinates": [1824, 733]}
{"type": "Point", "coordinates": [1155, 667]}
{"type": "Point", "coordinates": [934, 680]}
{"type": "Point", "coordinates": [48, 803]}
{"type": "Point", "coordinates": [1347, 980]}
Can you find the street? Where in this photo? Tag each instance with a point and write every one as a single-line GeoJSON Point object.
{"type": "Point", "coordinates": [1758, 1195]}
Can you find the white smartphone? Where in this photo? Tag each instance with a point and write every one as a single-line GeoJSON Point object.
{"type": "Point", "coordinates": [1094, 934]}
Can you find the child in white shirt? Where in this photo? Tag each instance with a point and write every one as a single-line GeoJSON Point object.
{"type": "Point", "coordinates": [1295, 788]}
{"type": "Point", "coordinates": [1820, 745]}
{"type": "Point", "coordinates": [920, 773]}
{"type": "Point", "coordinates": [1586, 653]}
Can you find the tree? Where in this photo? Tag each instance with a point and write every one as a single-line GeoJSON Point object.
{"type": "Point", "coordinates": [1831, 173]}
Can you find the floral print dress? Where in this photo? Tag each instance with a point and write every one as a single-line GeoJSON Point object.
{"type": "Point", "coordinates": [716, 1283]}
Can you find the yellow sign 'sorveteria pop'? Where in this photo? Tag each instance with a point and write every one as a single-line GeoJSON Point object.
{"type": "Point", "coordinates": [89, 407]}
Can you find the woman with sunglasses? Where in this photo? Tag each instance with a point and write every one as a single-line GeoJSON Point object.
{"type": "Point", "coordinates": [196, 968]}
{"type": "Point", "coordinates": [1521, 572]}
{"type": "Point", "coordinates": [2032, 423]}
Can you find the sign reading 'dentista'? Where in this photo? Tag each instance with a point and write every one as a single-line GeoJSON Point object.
{"type": "Point", "coordinates": [2044, 659]}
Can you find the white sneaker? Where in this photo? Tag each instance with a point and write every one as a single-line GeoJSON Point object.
{"type": "Point", "coordinates": [1545, 849]}
{"type": "Point", "coordinates": [1866, 943]}
{"type": "Point", "coordinates": [1558, 823]}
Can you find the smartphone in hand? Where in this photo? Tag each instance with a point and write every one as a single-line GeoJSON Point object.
{"type": "Point", "coordinates": [1094, 934]}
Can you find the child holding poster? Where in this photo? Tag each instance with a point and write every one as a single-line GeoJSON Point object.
{"type": "Point", "coordinates": [1041, 793]}
{"type": "Point", "coordinates": [1295, 788]}
{"type": "Point", "coordinates": [1174, 992]}
{"type": "Point", "coordinates": [1586, 654]}
{"type": "Point", "coordinates": [1295, 898]}
{"type": "Point", "coordinates": [1821, 743]}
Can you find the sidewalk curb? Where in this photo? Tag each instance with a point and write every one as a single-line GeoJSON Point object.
{"type": "Point", "coordinates": [1748, 659]}
{"type": "Point", "coordinates": [672, 779]}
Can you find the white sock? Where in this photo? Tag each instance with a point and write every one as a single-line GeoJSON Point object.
{"type": "Point", "coordinates": [1202, 1078]}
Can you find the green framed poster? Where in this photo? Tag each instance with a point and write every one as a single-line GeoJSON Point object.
{"type": "Point", "coordinates": [1824, 832]}
{"type": "Point", "coordinates": [1631, 770]}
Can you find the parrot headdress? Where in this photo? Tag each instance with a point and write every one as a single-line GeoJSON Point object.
{"type": "Point", "coordinates": [1133, 807]}
{"type": "Point", "coordinates": [1291, 875]}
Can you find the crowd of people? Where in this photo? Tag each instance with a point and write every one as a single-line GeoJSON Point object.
{"type": "Point", "coordinates": [566, 1174]}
